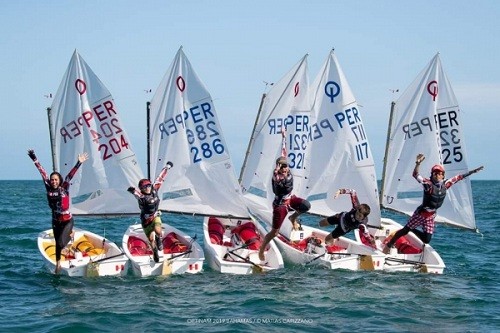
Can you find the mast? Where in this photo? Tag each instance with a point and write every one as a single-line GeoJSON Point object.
{"type": "Point", "coordinates": [52, 142]}
{"type": "Point", "coordinates": [250, 142]}
{"type": "Point", "coordinates": [389, 129]}
{"type": "Point", "coordinates": [270, 113]}
{"type": "Point", "coordinates": [148, 139]}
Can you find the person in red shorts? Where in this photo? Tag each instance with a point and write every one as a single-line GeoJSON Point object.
{"type": "Point", "coordinates": [284, 200]}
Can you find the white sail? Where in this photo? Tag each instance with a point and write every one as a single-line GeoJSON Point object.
{"type": "Point", "coordinates": [185, 130]}
{"type": "Point", "coordinates": [339, 154]}
{"type": "Point", "coordinates": [285, 106]}
{"type": "Point", "coordinates": [84, 118]}
{"type": "Point", "coordinates": [426, 119]}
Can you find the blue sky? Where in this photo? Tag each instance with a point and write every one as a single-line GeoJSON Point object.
{"type": "Point", "coordinates": [237, 45]}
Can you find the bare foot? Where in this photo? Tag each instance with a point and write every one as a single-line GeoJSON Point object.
{"type": "Point", "coordinates": [261, 256]}
{"type": "Point", "coordinates": [386, 249]}
{"type": "Point", "coordinates": [295, 225]}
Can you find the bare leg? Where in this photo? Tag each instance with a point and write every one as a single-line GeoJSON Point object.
{"type": "Point", "coordinates": [58, 267]}
{"type": "Point", "coordinates": [329, 240]}
{"type": "Point", "coordinates": [293, 219]}
{"type": "Point", "coordinates": [400, 233]}
{"type": "Point", "coordinates": [152, 235]}
{"type": "Point", "coordinates": [159, 244]}
{"type": "Point", "coordinates": [324, 223]}
{"type": "Point", "coordinates": [152, 239]}
{"type": "Point", "coordinates": [267, 239]}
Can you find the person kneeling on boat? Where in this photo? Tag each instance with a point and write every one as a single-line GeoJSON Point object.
{"type": "Point", "coordinates": [149, 201]}
{"type": "Point", "coordinates": [58, 199]}
{"type": "Point", "coordinates": [357, 217]}
{"type": "Point", "coordinates": [284, 200]}
{"type": "Point", "coordinates": [434, 193]}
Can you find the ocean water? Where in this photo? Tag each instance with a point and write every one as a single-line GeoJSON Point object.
{"type": "Point", "coordinates": [466, 298]}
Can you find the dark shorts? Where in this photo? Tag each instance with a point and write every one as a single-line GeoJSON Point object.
{"type": "Point", "coordinates": [335, 220]}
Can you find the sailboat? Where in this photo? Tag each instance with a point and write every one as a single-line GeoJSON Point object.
{"type": "Point", "coordinates": [185, 129]}
{"type": "Point", "coordinates": [425, 119]}
{"type": "Point", "coordinates": [287, 107]}
{"type": "Point", "coordinates": [84, 118]}
{"type": "Point", "coordinates": [339, 156]}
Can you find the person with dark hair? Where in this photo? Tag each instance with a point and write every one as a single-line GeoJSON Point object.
{"type": "Point", "coordinates": [434, 193]}
{"type": "Point", "coordinates": [59, 201]}
{"type": "Point", "coordinates": [357, 217]}
{"type": "Point", "coordinates": [149, 201]}
{"type": "Point", "coordinates": [284, 200]}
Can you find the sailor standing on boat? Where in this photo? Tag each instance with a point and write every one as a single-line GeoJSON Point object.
{"type": "Point", "coordinates": [147, 197]}
{"type": "Point", "coordinates": [284, 200]}
{"type": "Point", "coordinates": [59, 200]}
{"type": "Point", "coordinates": [434, 193]}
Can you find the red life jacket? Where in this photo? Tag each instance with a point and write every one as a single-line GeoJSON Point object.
{"type": "Point", "coordinates": [249, 235]}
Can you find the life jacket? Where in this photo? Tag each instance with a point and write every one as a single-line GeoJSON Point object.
{"type": "Point", "coordinates": [403, 245]}
{"type": "Point", "coordinates": [301, 245]}
{"type": "Point", "coordinates": [249, 235]}
{"type": "Point", "coordinates": [283, 187]}
{"type": "Point", "coordinates": [58, 200]}
{"type": "Point", "coordinates": [349, 219]}
{"type": "Point", "coordinates": [149, 204]}
{"type": "Point", "coordinates": [172, 244]}
{"type": "Point", "coordinates": [215, 230]}
{"type": "Point", "coordinates": [434, 196]}
{"type": "Point", "coordinates": [138, 247]}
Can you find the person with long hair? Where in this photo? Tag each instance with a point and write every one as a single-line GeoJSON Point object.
{"type": "Point", "coordinates": [59, 202]}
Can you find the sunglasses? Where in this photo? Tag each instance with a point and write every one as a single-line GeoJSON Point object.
{"type": "Point", "coordinates": [284, 166]}
{"type": "Point", "coordinates": [145, 186]}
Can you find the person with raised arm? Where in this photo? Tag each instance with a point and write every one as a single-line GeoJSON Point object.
{"type": "Point", "coordinates": [284, 200]}
{"type": "Point", "coordinates": [59, 201]}
{"type": "Point", "coordinates": [434, 193]}
{"type": "Point", "coordinates": [347, 221]}
{"type": "Point", "coordinates": [149, 201]}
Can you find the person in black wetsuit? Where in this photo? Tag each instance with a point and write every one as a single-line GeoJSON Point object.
{"type": "Point", "coordinates": [357, 217]}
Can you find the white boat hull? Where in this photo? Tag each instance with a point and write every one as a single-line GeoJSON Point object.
{"type": "Point", "coordinates": [186, 258]}
{"type": "Point", "coordinates": [344, 254]}
{"type": "Point", "coordinates": [401, 258]}
{"type": "Point", "coordinates": [91, 255]}
{"type": "Point", "coordinates": [231, 249]}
